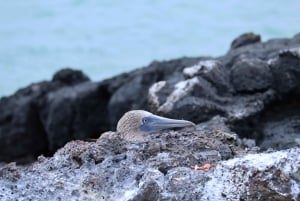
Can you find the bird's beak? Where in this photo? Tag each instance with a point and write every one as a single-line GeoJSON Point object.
{"type": "Point", "coordinates": [160, 123]}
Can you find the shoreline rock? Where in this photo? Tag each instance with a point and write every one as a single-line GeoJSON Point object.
{"type": "Point", "coordinates": [159, 169]}
{"type": "Point", "coordinates": [246, 106]}
{"type": "Point", "coordinates": [251, 86]}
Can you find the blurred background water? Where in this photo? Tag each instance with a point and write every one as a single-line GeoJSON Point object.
{"type": "Point", "coordinates": [104, 38]}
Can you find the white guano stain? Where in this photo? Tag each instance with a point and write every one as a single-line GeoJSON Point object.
{"type": "Point", "coordinates": [181, 89]}
{"type": "Point", "coordinates": [153, 90]}
{"type": "Point", "coordinates": [202, 67]}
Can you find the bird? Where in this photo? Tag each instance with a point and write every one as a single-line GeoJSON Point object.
{"type": "Point", "coordinates": [137, 125]}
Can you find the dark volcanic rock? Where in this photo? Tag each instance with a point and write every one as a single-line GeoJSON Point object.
{"type": "Point", "coordinates": [21, 130]}
{"type": "Point", "coordinates": [245, 39]}
{"type": "Point", "coordinates": [83, 107]}
{"type": "Point", "coordinates": [279, 124]}
{"type": "Point", "coordinates": [247, 86]}
{"type": "Point", "coordinates": [286, 72]}
{"type": "Point", "coordinates": [70, 77]}
{"type": "Point", "coordinates": [133, 91]}
{"type": "Point", "coordinates": [251, 86]}
{"type": "Point", "coordinates": [44, 116]}
{"type": "Point", "coordinates": [251, 76]}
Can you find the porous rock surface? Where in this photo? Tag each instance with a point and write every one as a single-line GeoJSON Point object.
{"type": "Point", "coordinates": [160, 169]}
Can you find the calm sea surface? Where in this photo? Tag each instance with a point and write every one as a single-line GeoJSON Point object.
{"type": "Point", "coordinates": [104, 38]}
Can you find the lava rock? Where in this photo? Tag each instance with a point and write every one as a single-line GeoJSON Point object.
{"type": "Point", "coordinates": [70, 76]}
{"type": "Point", "coordinates": [286, 71]}
{"type": "Point", "coordinates": [112, 169]}
{"type": "Point", "coordinates": [243, 86]}
{"type": "Point", "coordinates": [133, 92]}
{"type": "Point", "coordinates": [148, 192]}
{"type": "Point", "coordinates": [245, 39]}
{"type": "Point", "coordinates": [85, 109]}
{"type": "Point", "coordinates": [22, 133]}
{"type": "Point", "coordinates": [133, 171]}
{"type": "Point", "coordinates": [251, 75]}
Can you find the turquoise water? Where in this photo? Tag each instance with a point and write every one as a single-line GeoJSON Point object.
{"type": "Point", "coordinates": [104, 38]}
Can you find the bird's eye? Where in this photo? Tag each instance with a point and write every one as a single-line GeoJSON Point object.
{"type": "Point", "coordinates": [144, 120]}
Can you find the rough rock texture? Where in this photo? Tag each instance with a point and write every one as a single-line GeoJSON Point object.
{"type": "Point", "coordinates": [248, 97]}
{"type": "Point", "coordinates": [268, 176]}
{"type": "Point", "coordinates": [255, 86]}
{"type": "Point", "coordinates": [44, 116]}
{"type": "Point", "coordinates": [245, 39]}
{"type": "Point", "coordinates": [22, 132]}
{"type": "Point", "coordinates": [161, 169]}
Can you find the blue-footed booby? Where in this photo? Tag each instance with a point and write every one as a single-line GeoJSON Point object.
{"type": "Point", "coordinates": [135, 125]}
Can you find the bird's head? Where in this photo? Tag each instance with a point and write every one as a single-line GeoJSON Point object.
{"type": "Point", "coordinates": [135, 125]}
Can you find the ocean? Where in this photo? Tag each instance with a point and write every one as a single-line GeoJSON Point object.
{"type": "Point", "coordinates": [105, 38]}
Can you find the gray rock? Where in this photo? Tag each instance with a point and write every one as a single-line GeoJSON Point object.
{"type": "Point", "coordinates": [160, 169]}
{"type": "Point", "coordinates": [83, 107]}
{"type": "Point", "coordinates": [251, 76]}
{"type": "Point", "coordinates": [21, 131]}
{"type": "Point", "coordinates": [252, 91]}
{"type": "Point", "coordinates": [245, 39]}
{"type": "Point", "coordinates": [247, 86]}
{"type": "Point", "coordinates": [255, 177]}
{"type": "Point", "coordinates": [286, 71]}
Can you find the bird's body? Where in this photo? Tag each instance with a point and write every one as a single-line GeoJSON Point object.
{"type": "Point", "coordinates": [136, 125]}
